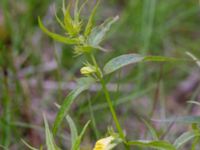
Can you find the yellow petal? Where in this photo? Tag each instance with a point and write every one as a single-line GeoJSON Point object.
{"type": "Point", "coordinates": [104, 144]}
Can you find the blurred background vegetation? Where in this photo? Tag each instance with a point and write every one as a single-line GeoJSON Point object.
{"type": "Point", "coordinates": [36, 72]}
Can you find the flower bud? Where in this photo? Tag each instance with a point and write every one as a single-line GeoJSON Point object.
{"type": "Point", "coordinates": [87, 70]}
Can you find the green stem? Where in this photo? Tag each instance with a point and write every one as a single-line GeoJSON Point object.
{"type": "Point", "coordinates": [109, 101]}
{"type": "Point", "coordinates": [114, 115]}
{"type": "Point", "coordinates": [107, 95]}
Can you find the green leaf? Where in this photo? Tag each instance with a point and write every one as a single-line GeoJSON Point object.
{"type": "Point", "coordinates": [59, 21]}
{"type": "Point", "coordinates": [98, 33]}
{"type": "Point", "coordinates": [83, 84]}
{"type": "Point", "coordinates": [160, 145]}
{"type": "Point", "coordinates": [73, 130]}
{"type": "Point", "coordinates": [57, 37]}
{"type": "Point", "coordinates": [73, 27]}
{"type": "Point", "coordinates": [49, 137]}
{"type": "Point", "coordinates": [127, 59]}
{"type": "Point", "coordinates": [4, 148]}
{"type": "Point", "coordinates": [78, 141]}
{"type": "Point", "coordinates": [151, 129]}
{"type": "Point", "coordinates": [68, 20]}
{"type": "Point", "coordinates": [121, 61]}
{"type": "Point", "coordinates": [184, 138]}
{"type": "Point", "coordinates": [91, 20]}
{"type": "Point", "coordinates": [30, 147]}
{"type": "Point", "coordinates": [76, 12]}
{"type": "Point", "coordinates": [63, 6]}
{"type": "Point", "coordinates": [82, 6]}
{"type": "Point", "coordinates": [184, 119]}
{"type": "Point", "coordinates": [80, 49]}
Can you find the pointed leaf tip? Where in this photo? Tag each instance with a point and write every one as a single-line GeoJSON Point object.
{"type": "Point", "coordinates": [98, 33]}
{"type": "Point", "coordinates": [55, 36]}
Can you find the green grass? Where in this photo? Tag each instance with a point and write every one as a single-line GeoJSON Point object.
{"type": "Point", "coordinates": [29, 87]}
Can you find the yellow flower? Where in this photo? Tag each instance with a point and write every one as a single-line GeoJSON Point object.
{"type": "Point", "coordinates": [105, 144]}
{"type": "Point", "coordinates": [87, 70]}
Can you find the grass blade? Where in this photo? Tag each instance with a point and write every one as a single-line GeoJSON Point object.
{"type": "Point", "coordinates": [49, 137]}
{"type": "Point", "coordinates": [73, 130]}
{"type": "Point", "coordinates": [185, 137]}
{"type": "Point", "coordinates": [78, 141]}
{"type": "Point", "coordinates": [161, 145]}
{"type": "Point", "coordinates": [151, 129]}
{"type": "Point", "coordinates": [184, 119]}
{"type": "Point", "coordinates": [30, 147]}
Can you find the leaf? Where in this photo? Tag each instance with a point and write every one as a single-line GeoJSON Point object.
{"type": "Point", "coordinates": [185, 137]}
{"type": "Point", "coordinates": [30, 147]}
{"type": "Point", "coordinates": [59, 21]}
{"type": "Point", "coordinates": [78, 140]}
{"type": "Point", "coordinates": [82, 6]}
{"type": "Point", "coordinates": [73, 27]}
{"type": "Point", "coordinates": [57, 37]}
{"type": "Point", "coordinates": [63, 6]}
{"type": "Point", "coordinates": [68, 19]}
{"type": "Point", "coordinates": [76, 12]}
{"type": "Point", "coordinates": [127, 59]}
{"type": "Point", "coordinates": [73, 130]}
{"type": "Point", "coordinates": [98, 33]}
{"type": "Point", "coordinates": [184, 119]}
{"type": "Point", "coordinates": [161, 145]}
{"type": "Point", "coordinates": [121, 61]}
{"type": "Point", "coordinates": [80, 49]}
{"type": "Point", "coordinates": [151, 129]}
{"type": "Point", "coordinates": [83, 84]}
{"type": "Point", "coordinates": [49, 137]}
{"type": "Point", "coordinates": [91, 20]}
